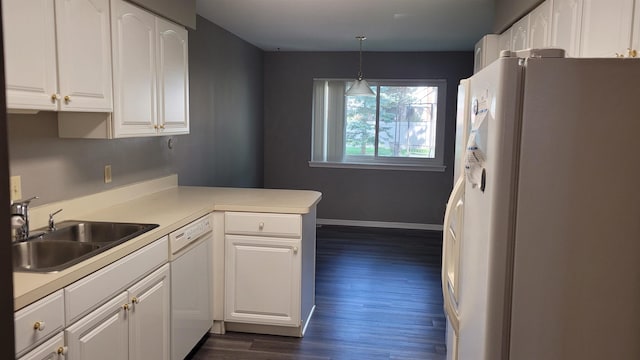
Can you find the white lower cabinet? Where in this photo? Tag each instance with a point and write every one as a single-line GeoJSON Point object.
{"type": "Point", "coordinates": [263, 280]}
{"type": "Point", "coordinates": [150, 317]}
{"type": "Point", "coordinates": [101, 335]}
{"type": "Point", "coordinates": [38, 321]}
{"type": "Point", "coordinates": [132, 325]}
{"type": "Point", "coordinates": [53, 349]}
{"type": "Point", "coordinates": [269, 272]}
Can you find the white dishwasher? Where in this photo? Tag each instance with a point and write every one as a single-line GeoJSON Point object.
{"type": "Point", "coordinates": [190, 255]}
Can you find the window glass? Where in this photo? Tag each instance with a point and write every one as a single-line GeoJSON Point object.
{"type": "Point", "coordinates": [401, 126]}
{"type": "Point", "coordinates": [407, 121]}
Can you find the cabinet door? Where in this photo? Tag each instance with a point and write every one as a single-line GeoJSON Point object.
{"type": "Point", "coordinates": [134, 70]}
{"type": "Point", "coordinates": [606, 27]}
{"type": "Point", "coordinates": [520, 34]}
{"type": "Point", "coordinates": [84, 55]}
{"type": "Point", "coordinates": [53, 349]}
{"type": "Point", "coordinates": [101, 335]}
{"type": "Point", "coordinates": [486, 51]}
{"type": "Point", "coordinates": [635, 37]}
{"type": "Point", "coordinates": [567, 20]}
{"type": "Point", "coordinates": [173, 78]}
{"type": "Point", "coordinates": [149, 318]}
{"type": "Point", "coordinates": [30, 54]}
{"type": "Point", "coordinates": [504, 41]}
{"type": "Point", "coordinates": [540, 26]}
{"type": "Point", "coordinates": [262, 280]}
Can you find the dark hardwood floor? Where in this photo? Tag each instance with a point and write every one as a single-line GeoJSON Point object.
{"type": "Point", "coordinates": [378, 296]}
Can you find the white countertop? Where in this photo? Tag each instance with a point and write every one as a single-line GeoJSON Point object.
{"type": "Point", "coordinates": [171, 208]}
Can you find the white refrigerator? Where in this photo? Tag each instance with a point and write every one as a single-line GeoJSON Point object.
{"type": "Point", "coordinates": [541, 247]}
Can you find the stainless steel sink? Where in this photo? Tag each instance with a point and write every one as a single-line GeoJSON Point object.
{"type": "Point", "coordinates": [71, 243]}
{"type": "Point", "coordinates": [45, 256]}
{"type": "Point", "coordinates": [96, 232]}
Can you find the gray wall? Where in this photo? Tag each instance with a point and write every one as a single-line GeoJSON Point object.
{"type": "Point", "coordinates": [354, 194]}
{"type": "Point", "coordinates": [223, 149]}
{"type": "Point", "coordinates": [225, 145]}
{"type": "Point", "coordinates": [57, 169]}
{"type": "Point", "coordinates": [508, 11]}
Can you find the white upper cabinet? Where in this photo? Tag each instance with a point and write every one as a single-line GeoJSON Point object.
{"type": "Point", "coordinates": [150, 63]}
{"type": "Point", "coordinates": [30, 54]}
{"type": "Point", "coordinates": [57, 60]}
{"type": "Point", "coordinates": [173, 77]}
{"type": "Point", "coordinates": [566, 26]}
{"type": "Point", "coordinates": [504, 41]}
{"type": "Point", "coordinates": [134, 65]}
{"type": "Point", "coordinates": [486, 52]}
{"type": "Point", "coordinates": [520, 34]}
{"type": "Point", "coordinates": [84, 55]}
{"type": "Point", "coordinates": [540, 26]}
{"type": "Point", "coordinates": [606, 28]}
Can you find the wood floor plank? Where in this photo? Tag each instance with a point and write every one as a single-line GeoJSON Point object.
{"type": "Point", "coordinates": [378, 296]}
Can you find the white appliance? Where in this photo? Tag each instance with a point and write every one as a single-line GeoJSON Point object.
{"type": "Point", "coordinates": [541, 248]}
{"type": "Point", "coordinates": [191, 316]}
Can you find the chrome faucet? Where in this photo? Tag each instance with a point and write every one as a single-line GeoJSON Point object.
{"type": "Point", "coordinates": [20, 219]}
{"type": "Point", "coordinates": [52, 223]}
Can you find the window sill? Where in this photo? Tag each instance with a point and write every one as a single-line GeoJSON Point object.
{"type": "Point", "coordinates": [377, 166]}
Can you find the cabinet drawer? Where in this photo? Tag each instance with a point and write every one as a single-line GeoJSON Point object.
{"type": "Point", "coordinates": [93, 290]}
{"type": "Point", "coordinates": [265, 224]}
{"type": "Point", "coordinates": [38, 321]}
{"type": "Point", "coordinates": [48, 350]}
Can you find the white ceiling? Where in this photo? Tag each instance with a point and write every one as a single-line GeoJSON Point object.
{"type": "Point", "coordinates": [332, 25]}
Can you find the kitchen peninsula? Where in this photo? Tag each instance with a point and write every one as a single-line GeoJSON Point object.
{"type": "Point", "coordinates": [248, 225]}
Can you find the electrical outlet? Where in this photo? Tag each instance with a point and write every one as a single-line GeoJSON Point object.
{"type": "Point", "coordinates": [107, 174]}
{"type": "Point", "coordinates": [15, 188]}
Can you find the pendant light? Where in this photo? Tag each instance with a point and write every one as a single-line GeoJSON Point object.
{"type": "Point", "coordinates": [360, 87]}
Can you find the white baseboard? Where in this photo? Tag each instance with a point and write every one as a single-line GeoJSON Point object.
{"type": "Point", "coordinates": [380, 224]}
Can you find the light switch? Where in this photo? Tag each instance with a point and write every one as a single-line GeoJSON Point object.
{"type": "Point", "coordinates": [107, 174]}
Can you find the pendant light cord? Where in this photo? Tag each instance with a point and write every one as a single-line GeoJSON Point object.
{"type": "Point", "coordinates": [360, 75]}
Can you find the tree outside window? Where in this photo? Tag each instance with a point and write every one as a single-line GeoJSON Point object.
{"type": "Point", "coordinates": [404, 126]}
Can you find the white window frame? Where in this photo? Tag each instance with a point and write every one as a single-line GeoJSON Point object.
{"type": "Point", "coordinates": [328, 131]}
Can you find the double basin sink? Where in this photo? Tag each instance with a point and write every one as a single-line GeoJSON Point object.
{"type": "Point", "coordinates": [72, 242]}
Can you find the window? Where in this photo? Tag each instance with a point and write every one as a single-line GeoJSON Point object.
{"type": "Point", "coordinates": [402, 127]}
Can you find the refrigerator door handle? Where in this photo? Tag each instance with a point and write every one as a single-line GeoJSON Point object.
{"type": "Point", "coordinates": [451, 251]}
